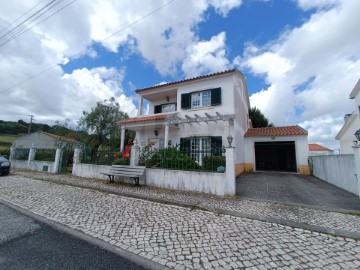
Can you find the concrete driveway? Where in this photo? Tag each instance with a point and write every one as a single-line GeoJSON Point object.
{"type": "Point", "coordinates": [295, 189]}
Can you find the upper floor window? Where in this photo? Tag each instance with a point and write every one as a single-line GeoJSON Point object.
{"type": "Point", "coordinates": [170, 107]}
{"type": "Point", "coordinates": [210, 97]}
{"type": "Point", "coordinates": [201, 99]}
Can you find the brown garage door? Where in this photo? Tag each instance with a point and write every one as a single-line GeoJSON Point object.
{"type": "Point", "coordinates": [275, 156]}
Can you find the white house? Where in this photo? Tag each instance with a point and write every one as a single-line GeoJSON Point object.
{"type": "Point", "coordinates": [319, 150]}
{"type": "Point", "coordinates": [201, 113]}
{"type": "Point", "coordinates": [352, 124]}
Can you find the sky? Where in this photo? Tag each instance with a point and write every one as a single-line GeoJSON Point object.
{"type": "Point", "coordinates": [301, 58]}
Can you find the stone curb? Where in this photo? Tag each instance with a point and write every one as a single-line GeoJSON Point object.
{"type": "Point", "coordinates": [141, 261]}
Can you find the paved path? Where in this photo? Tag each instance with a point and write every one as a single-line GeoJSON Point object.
{"type": "Point", "coordinates": [295, 189]}
{"type": "Point", "coordinates": [179, 237]}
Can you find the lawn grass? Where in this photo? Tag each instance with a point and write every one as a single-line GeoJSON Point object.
{"type": "Point", "coordinates": [6, 140]}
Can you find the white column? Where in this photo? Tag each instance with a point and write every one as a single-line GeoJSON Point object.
{"type": "Point", "coordinates": [135, 154]}
{"type": "Point", "coordinates": [122, 142]}
{"type": "Point", "coordinates": [357, 165]}
{"type": "Point", "coordinates": [140, 106]}
{"type": "Point", "coordinates": [230, 171]}
{"type": "Point", "coordinates": [227, 128]}
{"type": "Point", "coordinates": [57, 162]}
{"type": "Point", "coordinates": [166, 140]}
{"type": "Point", "coordinates": [76, 160]}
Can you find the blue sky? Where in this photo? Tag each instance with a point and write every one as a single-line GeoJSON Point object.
{"type": "Point", "coordinates": [300, 57]}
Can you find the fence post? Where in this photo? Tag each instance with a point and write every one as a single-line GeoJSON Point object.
{"type": "Point", "coordinates": [230, 171]}
{"type": "Point", "coordinates": [134, 156]}
{"type": "Point", "coordinates": [31, 156]}
{"type": "Point", "coordinates": [12, 153]}
{"type": "Point", "coordinates": [357, 165]}
{"type": "Point", "coordinates": [57, 162]}
{"type": "Point", "coordinates": [76, 160]}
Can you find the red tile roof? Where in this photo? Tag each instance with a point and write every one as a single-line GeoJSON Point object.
{"type": "Point", "coordinates": [275, 131]}
{"type": "Point", "coordinates": [187, 80]}
{"type": "Point", "coordinates": [155, 117]}
{"type": "Point", "coordinates": [318, 147]}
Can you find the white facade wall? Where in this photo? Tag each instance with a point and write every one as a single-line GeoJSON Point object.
{"type": "Point", "coordinates": [338, 170]}
{"type": "Point", "coordinates": [347, 138]}
{"type": "Point", "coordinates": [301, 148]}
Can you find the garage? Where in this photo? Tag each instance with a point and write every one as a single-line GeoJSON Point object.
{"type": "Point", "coordinates": [282, 149]}
{"type": "Point", "coordinates": [275, 156]}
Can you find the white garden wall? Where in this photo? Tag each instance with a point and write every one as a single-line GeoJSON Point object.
{"type": "Point", "coordinates": [338, 170]}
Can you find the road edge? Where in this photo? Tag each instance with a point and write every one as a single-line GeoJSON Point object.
{"type": "Point", "coordinates": [137, 259]}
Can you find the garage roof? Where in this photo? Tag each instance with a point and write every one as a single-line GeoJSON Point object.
{"type": "Point", "coordinates": [275, 131]}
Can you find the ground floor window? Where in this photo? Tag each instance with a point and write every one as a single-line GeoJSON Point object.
{"type": "Point", "coordinates": [199, 147]}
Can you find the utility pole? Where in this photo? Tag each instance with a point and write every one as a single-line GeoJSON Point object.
{"type": "Point", "coordinates": [31, 119]}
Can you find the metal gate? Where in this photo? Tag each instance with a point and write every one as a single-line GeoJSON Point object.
{"type": "Point", "coordinates": [66, 160]}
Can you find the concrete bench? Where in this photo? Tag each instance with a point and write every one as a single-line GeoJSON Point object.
{"type": "Point", "coordinates": [124, 170]}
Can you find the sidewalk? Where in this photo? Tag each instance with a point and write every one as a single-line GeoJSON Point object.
{"type": "Point", "coordinates": [186, 237]}
{"type": "Point", "coordinates": [338, 223]}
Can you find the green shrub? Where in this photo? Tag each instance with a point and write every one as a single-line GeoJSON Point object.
{"type": "Point", "coordinates": [171, 158]}
{"type": "Point", "coordinates": [211, 163]}
{"type": "Point", "coordinates": [121, 161]}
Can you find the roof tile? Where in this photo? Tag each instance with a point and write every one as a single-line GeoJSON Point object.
{"type": "Point", "coordinates": [318, 147]}
{"type": "Point", "coordinates": [275, 131]}
{"type": "Point", "coordinates": [186, 80]}
{"type": "Point", "coordinates": [155, 117]}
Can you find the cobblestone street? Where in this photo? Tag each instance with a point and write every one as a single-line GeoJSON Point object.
{"type": "Point", "coordinates": [182, 237]}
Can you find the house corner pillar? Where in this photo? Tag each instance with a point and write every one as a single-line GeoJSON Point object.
{"type": "Point", "coordinates": [230, 171]}
{"type": "Point", "coordinates": [357, 166]}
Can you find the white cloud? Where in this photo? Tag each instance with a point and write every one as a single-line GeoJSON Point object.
{"type": "Point", "coordinates": [162, 39]}
{"type": "Point", "coordinates": [206, 56]}
{"type": "Point", "coordinates": [224, 7]}
{"type": "Point", "coordinates": [311, 69]}
{"type": "Point", "coordinates": [309, 4]}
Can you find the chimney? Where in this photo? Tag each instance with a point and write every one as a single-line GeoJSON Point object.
{"type": "Point", "coordinates": [346, 117]}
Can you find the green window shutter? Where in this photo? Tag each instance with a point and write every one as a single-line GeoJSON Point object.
{"type": "Point", "coordinates": [185, 146]}
{"type": "Point", "coordinates": [186, 101]}
{"type": "Point", "coordinates": [157, 109]}
{"type": "Point", "coordinates": [216, 146]}
{"type": "Point", "coordinates": [216, 96]}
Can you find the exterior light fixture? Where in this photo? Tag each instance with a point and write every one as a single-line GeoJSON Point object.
{"type": "Point", "coordinates": [156, 132]}
{"type": "Point", "coordinates": [167, 98]}
{"type": "Point", "coordinates": [357, 134]}
{"type": "Point", "coordinates": [230, 140]}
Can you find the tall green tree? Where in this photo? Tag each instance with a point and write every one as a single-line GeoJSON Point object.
{"type": "Point", "coordinates": [258, 119]}
{"type": "Point", "coordinates": [101, 123]}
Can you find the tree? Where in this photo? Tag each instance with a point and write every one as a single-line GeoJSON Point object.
{"type": "Point", "coordinates": [258, 119]}
{"type": "Point", "coordinates": [101, 123]}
